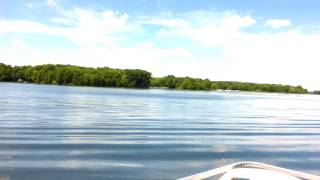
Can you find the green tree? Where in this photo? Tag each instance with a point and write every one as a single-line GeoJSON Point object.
{"type": "Point", "coordinates": [133, 78]}
{"type": "Point", "coordinates": [5, 72]}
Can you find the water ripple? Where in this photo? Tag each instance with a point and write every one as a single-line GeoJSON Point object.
{"type": "Point", "coordinates": [55, 132]}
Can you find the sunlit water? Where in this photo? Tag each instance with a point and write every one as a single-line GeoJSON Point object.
{"type": "Point", "coordinates": [59, 132]}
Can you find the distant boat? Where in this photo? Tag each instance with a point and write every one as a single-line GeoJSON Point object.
{"type": "Point", "coordinates": [252, 171]}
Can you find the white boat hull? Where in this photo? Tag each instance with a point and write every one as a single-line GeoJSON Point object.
{"type": "Point", "coordinates": [252, 171]}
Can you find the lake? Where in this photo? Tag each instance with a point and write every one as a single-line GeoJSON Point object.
{"type": "Point", "coordinates": [61, 132]}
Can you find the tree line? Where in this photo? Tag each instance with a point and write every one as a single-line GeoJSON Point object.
{"type": "Point", "coordinates": [316, 92]}
{"type": "Point", "coordinates": [76, 75]}
{"type": "Point", "coordinates": [130, 78]}
{"type": "Point", "coordinates": [188, 83]}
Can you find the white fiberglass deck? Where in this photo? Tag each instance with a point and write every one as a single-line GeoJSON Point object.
{"type": "Point", "coordinates": [252, 171]}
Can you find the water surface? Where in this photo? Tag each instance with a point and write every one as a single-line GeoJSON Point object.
{"type": "Point", "coordinates": [59, 132]}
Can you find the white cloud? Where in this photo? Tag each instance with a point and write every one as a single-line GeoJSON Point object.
{"type": "Point", "coordinates": [145, 44]}
{"type": "Point", "coordinates": [278, 23]}
{"type": "Point", "coordinates": [30, 5]}
{"type": "Point", "coordinates": [214, 29]}
{"type": "Point", "coordinates": [170, 23]}
{"type": "Point", "coordinates": [235, 22]}
{"type": "Point", "coordinates": [289, 56]}
{"type": "Point", "coordinates": [52, 3]}
{"type": "Point", "coordinates": [60, 20]}
{"type": "Point", "coordinates": [87, 28]}
{"type": "Point", "coordinates": [20, 44]}
{"type": "Point", "coordinates": [47, 3]}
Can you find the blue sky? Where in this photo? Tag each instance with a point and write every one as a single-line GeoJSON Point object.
{"type": "Point", "coordinates": [274, 41]}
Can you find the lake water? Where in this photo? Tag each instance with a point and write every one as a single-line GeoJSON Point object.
{"type": "Point", "coordinates": [59, 132]}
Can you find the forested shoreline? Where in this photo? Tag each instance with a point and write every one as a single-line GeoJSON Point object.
{"type": "Point", "coordinates": [76, 75]}
{"type": "Point", "coordinates": [188, 83]}
{"type": "Point", "coordinates": [126, 78]}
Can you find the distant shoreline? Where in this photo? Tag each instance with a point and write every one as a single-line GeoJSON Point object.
{"type": "Point", "coordinates": [130, 78]}
{"type": "Point", "coordinates": [159, 88]}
